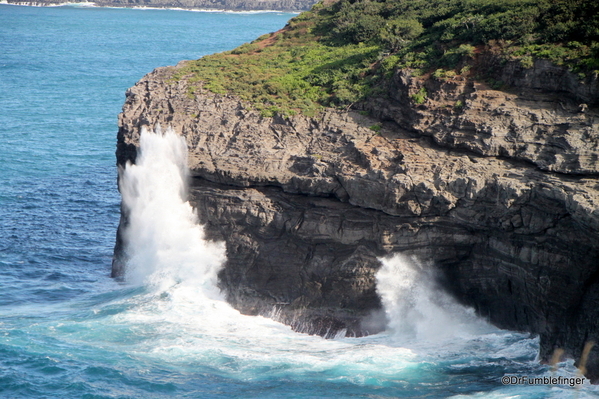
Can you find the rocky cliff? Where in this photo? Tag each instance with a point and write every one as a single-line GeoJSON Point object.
{"type": "Point", "coordinates": [497, 190]}
{"type": "Point", "coordinates": [229, 5]}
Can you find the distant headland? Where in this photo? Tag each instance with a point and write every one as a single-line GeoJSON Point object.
{"type": "Point", "coordinates": [208, 5]}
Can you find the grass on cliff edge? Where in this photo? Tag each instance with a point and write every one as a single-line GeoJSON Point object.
{"type": "Point", "coordinates": [337, 53]}
{"type": "Point", "coordinates": [288, 71]}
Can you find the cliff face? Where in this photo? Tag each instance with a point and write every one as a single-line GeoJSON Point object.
{"type": "Point", "coordinates": [230, 5]}
{"type": "Point", "coordinates": [497, 190]}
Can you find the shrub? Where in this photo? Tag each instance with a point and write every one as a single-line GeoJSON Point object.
{"type": "Point", "coordinates": [376, 127]}
{"type": "Point", "coordinates": [420, 96]}
{"type": "Point", "coordinates": [398, 32]}
{"type": "Point", "coordinates": [527, 62]}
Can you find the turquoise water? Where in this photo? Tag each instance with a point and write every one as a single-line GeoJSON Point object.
{"type": "Point", "coordinates": [69, 331]}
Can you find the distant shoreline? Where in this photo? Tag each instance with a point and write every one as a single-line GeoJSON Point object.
{"type": "Point", "coordinates": [90, 4]}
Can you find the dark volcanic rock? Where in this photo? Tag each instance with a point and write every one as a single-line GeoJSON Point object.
{"type": "Point", "coordinates": [500, 194]}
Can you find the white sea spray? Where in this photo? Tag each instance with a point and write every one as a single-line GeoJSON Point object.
{"type": "Point", "coordinates": [416, 308]}
{"type": "Point", "coordinates": [165, 244]}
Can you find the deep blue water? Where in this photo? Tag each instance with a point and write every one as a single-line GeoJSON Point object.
{"type": "Point", "coordinates": [69, 331]}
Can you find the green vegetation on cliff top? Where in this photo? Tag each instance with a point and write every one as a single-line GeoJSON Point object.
{"type": "Point", "coordinates": [335, 54]}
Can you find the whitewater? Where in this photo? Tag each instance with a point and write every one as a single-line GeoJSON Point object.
{"type": "Point", "coordinates": [67, 330]}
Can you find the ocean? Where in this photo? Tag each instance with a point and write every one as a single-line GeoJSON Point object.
{"type": "Point", "coordinates": [67, 330]}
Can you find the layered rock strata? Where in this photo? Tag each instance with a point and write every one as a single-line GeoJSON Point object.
{"type": "Point", "coordinates": [497, 190]}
